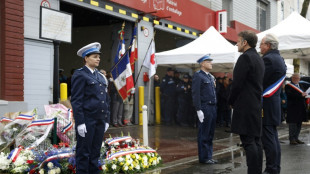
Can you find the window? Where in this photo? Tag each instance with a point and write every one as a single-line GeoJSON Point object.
{"type": "Point", "coordinates": [226, 5]}
{"type": "Point", "coordinates": [261, 13]}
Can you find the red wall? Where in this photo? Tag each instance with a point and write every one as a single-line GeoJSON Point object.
{"type": "Point", "coordinates": [193, 15]}
{"type": "Point", "coordinates": [12, 50]}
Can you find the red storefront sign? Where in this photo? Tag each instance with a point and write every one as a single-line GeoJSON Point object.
{"type": "Point", "coordinates": [184, 12]}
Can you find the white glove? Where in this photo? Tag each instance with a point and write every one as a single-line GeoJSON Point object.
{"type": "Point", "coordinates": [133, 90]}
{"type": "Point", "coordinates": [200, 116]}
{"type": "Point", "coordinates": [82, 130]}
{"type": "Point", "coordinates": [106, 127]}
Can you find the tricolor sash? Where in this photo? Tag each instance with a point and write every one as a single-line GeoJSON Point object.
{"type": "Point", "coordinates": [295, 87]}
{"type": "Point", "coordinates": [14, 154]}
{"type": "Point", "coordinates": [273, 88]}
{"type": "Point", "coordinates": [4, 119]}
{"type": "Point", "coordinates": [41, 122]}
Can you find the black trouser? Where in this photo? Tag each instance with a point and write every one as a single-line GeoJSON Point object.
{"type": "Point", "coordinates": [272, 149]}
{"type": "Point", "coordinates": [254, 154]}
{"type": "Point", "coordinates": [294, 131]}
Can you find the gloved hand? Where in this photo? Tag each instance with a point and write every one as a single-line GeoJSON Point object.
{"type": "Point", "coordinates": [200, 115]}
{"type": "Point", "coordinates": [133, 90]}
{"type": "Point", "coordinates": [82, 130]}
{"type": "Point", "coordinates": [106, 127]}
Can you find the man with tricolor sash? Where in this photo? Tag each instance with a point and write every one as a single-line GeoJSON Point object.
{"type": "Point", "coordinates": [296, 108]}
{"type": "Point", "coordinates": [275, 72]}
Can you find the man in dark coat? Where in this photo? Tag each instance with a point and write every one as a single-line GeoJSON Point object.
{"type": "Point", "coordinates": [275, 72]}
{"type": "Point", "coordinates": [296, 108]}
{"type": "Point", "coordinates": [90, 103]}
{"type": "Point", "coordinates": [204, 99]}
{"type": "Point", "coordinates": [245, 98]}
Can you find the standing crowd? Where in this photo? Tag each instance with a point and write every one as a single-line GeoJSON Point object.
{"type": "Point", "coordinates": [252, 105]}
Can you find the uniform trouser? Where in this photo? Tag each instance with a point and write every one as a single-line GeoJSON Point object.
{"type": "Point", "coordinates": [254, 153]}
{"type": "Point", "coordinates": [294, 131]}
{"type": "Point", "coordinates": [117, 111]}
{"type": "Point", "coordinates": [167, 104]}
{"type": "Point", "coordinates": [128, 110]}
{"type": "Point", "coordinates": [206, 134]}
{"type": "Point", "coordinates": [183, 115]}
{"type": "Point", "coordinates": [88, 147]}
{"type": "Point", "coordinates": [272, 149]}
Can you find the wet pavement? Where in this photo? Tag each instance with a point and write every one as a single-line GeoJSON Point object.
{"type": "Point", "coordinates": [178, 148]}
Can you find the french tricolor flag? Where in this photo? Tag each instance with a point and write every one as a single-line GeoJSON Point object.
{"type": "Point", "coordinates": [122, 75]}
{"type": "Point", "coordinates": [14, 154]}
{"type": "Point", "coordinates": [41, 122]}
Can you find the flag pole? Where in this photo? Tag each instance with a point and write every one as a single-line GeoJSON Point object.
{"type": "Point", "coordinates": [143, 61]}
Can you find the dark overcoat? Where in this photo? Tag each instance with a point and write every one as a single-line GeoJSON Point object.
{"type": "Point", "coordinates": [275, 69]}
{"type": "Point", "coordinates": [296, 105]}
{"type": "Point", "coordinates": [246, 94]}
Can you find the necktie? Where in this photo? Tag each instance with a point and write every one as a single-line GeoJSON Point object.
{"type": "Point", "coordinates": [95, 74]}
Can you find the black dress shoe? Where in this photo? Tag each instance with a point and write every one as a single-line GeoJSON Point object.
{"type": "Point", "coordinates": [293, 142]}
{"type": "Point", "coordinates": [300, 142]}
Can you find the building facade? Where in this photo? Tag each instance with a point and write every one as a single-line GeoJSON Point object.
{"type": "Point", "coordinates": [27, 60]}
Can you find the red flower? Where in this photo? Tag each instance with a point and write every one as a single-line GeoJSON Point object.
{"type": "Point", "coordinates": [55, 145]}
{"type": "Point", "coordinates": [29, 161]}
{"type": "Point", "coordinates": [126, 145]}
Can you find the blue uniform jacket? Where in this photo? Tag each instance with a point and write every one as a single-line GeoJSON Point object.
{"type": "Point", "coordinates": [203, 90]}
{"type": "Point", "coordinates": [89, 96]}
{"type": "Point", "coordinates": [168, 86]}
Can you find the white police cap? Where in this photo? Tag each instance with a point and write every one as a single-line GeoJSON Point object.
{"type": "Point", "coordinates": [93, 48]}
{"type": "Point", "coordinates": [205, 57]}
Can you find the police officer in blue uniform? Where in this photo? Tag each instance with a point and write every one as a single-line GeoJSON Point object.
{"type": "Point", "coordinates": [90, 103]}
{"type": "Point", "coordinates": [204, 99]}
{"type": "Point", "coordinates": [184, 91]}
{"type": "Point", "coordinates": [168, 97]}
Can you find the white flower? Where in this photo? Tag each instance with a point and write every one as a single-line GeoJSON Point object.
{"type": "Point", "coordinates": [104, 167]}
{"type": "Point", "coordinates": [152, 154]}
{"type": "Point", "coordinates": [148, 154]}
{"type": "Point", "coordinates": [137, 156]}
{"type": "Point", "coordinates": [137, 167]}
{"type": "Point", "coordinates": [14, 129]}
{"type": "Point", "coordinates": [154, 163]}
{"type": "Point", "coordinates": [120, 159]}
{"type": "Point", "coordinates": [125, 167]}
{"type": "Point", "coordinates": [51, 171]}
{"type": "Point", "coordinates": [58, 170]}
{"type": "Point", "coordinates": [113, 166]}
{"type": "Point", "coordinates": [127, 156]}
{"type": "Point", "coordinates": [41, 171]}
{"type": "Point", "coordinates": [50, 165]}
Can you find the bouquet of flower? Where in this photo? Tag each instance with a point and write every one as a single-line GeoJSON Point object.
{"type": "Point", "coordinates": [12, 129]}
{"type": "Point", "coordinates": [64, 121]}
{"type": "Point", "coordinates": [35, 133]}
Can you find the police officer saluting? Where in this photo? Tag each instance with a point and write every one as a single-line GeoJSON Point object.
{"type": "Point", "coordinates": [204, 99]}
{"type": "Point", "coordinates": [90, 109]}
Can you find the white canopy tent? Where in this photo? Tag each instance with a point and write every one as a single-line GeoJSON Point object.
{"type": "Point", "coordinates": [223, 53]}
{"type": "Point", "coordinates": [294, 37]}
